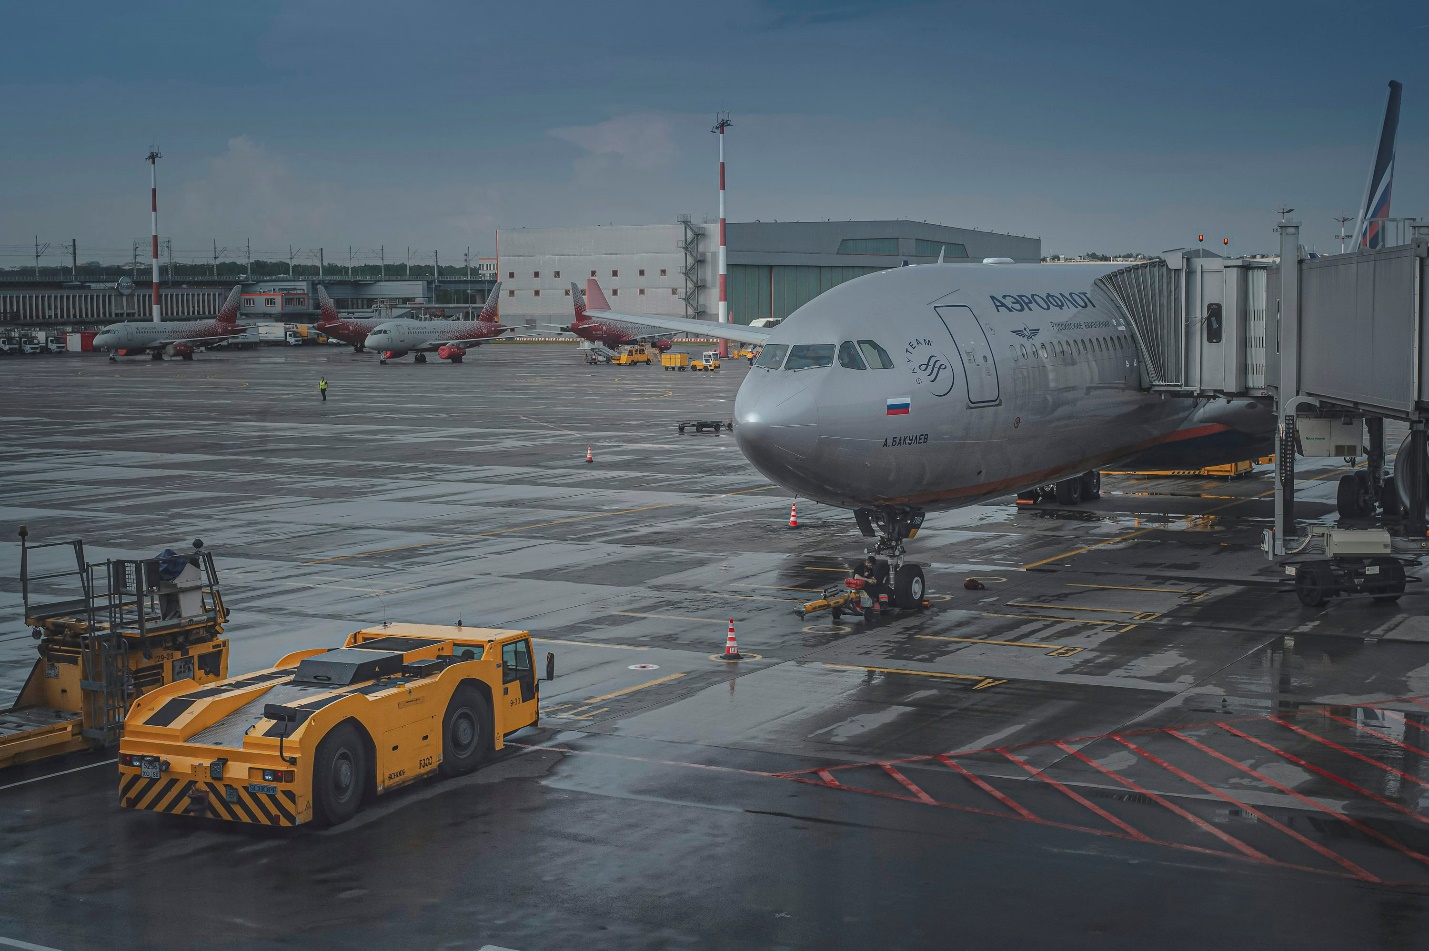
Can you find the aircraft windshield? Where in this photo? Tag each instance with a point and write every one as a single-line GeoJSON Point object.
{"type": "Point", "coordinates": [848, 356]}
{"type": "Point", "coordinates": [807, 356]}
{"type": "Point", "coordinates": [876, 356]}
{"type": "Point", "coordinates": [771, 356]}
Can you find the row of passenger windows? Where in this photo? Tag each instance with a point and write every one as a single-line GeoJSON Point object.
{"type": "Point", "coordinates": [1069, 348]}
{"type": "Point", "coordinates": [614, 292]}
{"type": "Point", "coordinates": [853, 355]}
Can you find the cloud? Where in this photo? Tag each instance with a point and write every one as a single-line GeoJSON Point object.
{"type": "Point", "coordinates": [644, 141]}
{"type": "Point", "coordinates": [248, 189]}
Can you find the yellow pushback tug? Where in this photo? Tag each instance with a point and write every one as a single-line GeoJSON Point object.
{"type": "Point", "coordinates": [108, 632]}
{"type": "Point", "coordinates": [321, 731]}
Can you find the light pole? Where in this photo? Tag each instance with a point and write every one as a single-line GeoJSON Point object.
{"type": "Point", "coordinates": [722, 122]}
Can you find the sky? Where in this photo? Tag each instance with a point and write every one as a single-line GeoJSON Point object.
{"type": "Point", "coordinates": [427, 125]}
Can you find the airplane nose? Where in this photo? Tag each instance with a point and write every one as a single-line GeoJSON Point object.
{"type": "Point", "coordinates": [777, 426]}
{"type": "Point", "coordinates": [103, 341]}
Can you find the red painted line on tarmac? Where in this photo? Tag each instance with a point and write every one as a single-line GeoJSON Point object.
{"type": "Point", "coordinates": [1349, 752]}
{"type": "Point", "coordinates": [1374, 733]}
{"type": "Point", "coordinates": [907, 784]}
{"type": "Point", "coordinates": [1352, 823]}
{"type": "Point", "coordinates": [1335, 857]}
{"type": "Point", "coordinates": [1078, 798]}
{"type": "Point", "coordinates": [1197, 821]}
{"type": "Point", "coordinates": [828, 778]}
{"type": "Point", "coordinates": [1000, 797]}
{"type": "Point", "coordinates": [1326, 773]}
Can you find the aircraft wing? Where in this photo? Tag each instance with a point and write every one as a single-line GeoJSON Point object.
{"type": "Point", "coordinates": [208, 341]}
{"type": "Point", "coordinates": [700, 328]}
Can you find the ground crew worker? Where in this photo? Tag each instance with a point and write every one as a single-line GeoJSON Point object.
{"type": "Point", "coordinates": [322, 387]}
{"type": "Point", "coordinates": [868, 571]}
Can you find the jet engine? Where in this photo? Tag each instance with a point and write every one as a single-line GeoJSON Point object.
{"type": "Point", "coordinates": [449, 352]}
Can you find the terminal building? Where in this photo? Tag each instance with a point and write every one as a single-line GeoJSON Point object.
{"type": "Point", "coordinates": [774, 267]}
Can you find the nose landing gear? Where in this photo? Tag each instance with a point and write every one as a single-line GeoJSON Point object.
{"type": "Point", "coordinates": [898, 583]}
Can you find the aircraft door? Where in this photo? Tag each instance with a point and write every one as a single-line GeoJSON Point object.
{"type": "Point", "coordinates": [970, 341]}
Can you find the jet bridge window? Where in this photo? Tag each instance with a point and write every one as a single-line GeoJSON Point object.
{"type": "Point", "coordinates": [848, 356]}
{"type": "Point", "coordinates": [810, 356]}
{"type": "Point", "coordinates": [771, 356]}
{"type": "Point", "coordinates": [1214, 327]}
{"type": "Point", "coordinates": [877, 357]}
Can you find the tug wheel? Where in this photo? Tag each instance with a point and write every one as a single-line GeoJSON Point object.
{"type": "Point", "coordinates": [340, 775]}
{"type": "Point", "coordinates": [466, 732]}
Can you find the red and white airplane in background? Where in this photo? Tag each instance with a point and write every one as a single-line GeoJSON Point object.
{"type": "Point", "coordinates": [609, 331]}
{"type": "Point", "coordinates": [347, 329]}
{"type": "Point", "coordinates": [449, 339]}
{"type": "Point", "coordinates": [180, 338]}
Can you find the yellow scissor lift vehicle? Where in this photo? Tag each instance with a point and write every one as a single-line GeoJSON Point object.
{"type": "Point", "coordinates": [321, 731]}
{"type": "Point", "coordinates": [108, 632]}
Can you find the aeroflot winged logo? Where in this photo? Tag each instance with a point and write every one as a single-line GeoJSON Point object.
{"type": "Point", "coordinates": [1027, 333]}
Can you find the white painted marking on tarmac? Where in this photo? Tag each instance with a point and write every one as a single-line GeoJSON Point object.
{"type": "Point", "coordinates": [643, 667]}
{"type": "Point", "coordinates": [37, 779]}
{"type": "Point", "coordinates": [25, 945]}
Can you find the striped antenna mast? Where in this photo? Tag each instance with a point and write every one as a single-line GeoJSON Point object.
{"type": "Point", "coordinates": [153, 160]}
{"type": "Point", "coordinates": [722, 122]}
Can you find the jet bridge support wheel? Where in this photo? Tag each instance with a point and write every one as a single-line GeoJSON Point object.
{"type": "Point", "coordinates": [1314, 583]}
{"type": "Point", "coordinates": [1354, 497]}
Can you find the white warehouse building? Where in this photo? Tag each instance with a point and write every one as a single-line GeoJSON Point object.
{"type": "Point", "coordinates": [774, 267]}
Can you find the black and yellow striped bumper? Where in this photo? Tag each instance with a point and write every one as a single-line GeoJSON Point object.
{"type": "Point", "coordinates": [191, 797]}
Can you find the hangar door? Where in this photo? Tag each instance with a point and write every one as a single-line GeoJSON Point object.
{"type": "Point", "coordinates": [970, 341]}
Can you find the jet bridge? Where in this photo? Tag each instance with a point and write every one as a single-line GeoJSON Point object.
{"type": "Point", "coordinates": [1338, 339]}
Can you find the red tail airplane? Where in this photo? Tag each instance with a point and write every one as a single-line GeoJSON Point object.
{"type": "Point", "coordinates": [450, 339]}
{"type": "Point", "coordinates": [346, 329]}
{"type": "Point", "coordinates": [606, 331]}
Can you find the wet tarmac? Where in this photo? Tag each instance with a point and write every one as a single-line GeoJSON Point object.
{"type": "Point", "coordinates": [1130, 737]}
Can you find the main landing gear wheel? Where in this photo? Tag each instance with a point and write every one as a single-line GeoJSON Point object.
{"type": "Point", "coordinates": [420, 358]}
{"type": "Point", "coordinates": [358, 349]}
{"type": "Point", "coordinates": [340, 774]}
{"type": "Point", "coordinates": [1069, 491]}
{"type": "Point", "coordinates": [1354, 496]}
{"type": "Point", "coordinates": [1389, 498]}
{"type": "Point", "coordinates": [383, 361]}
{"type": "Point", "coordinates": [113, 358]}
{"type": "Point", "coordinates": [908, 587]}
{"type": "Point", "coordinates": [466, 732]}
{"type": "Point", "coordinates": [1091, 485]}
{"type": "Point", "coordinates": [1314, 584]}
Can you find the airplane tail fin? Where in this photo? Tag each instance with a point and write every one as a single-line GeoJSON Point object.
{"type": "Point", "coordinates": [595, 297]}
{"type": "Point", "coordinates": [327, 308]}
{"type": "Point", "coordinates": [1374, 209]}
{"type": "Point", "coordinates": [228, 313]}
{"type": "Point", "coordinates": [491, 313]}
{"type": "Point", "coordinates": [578, 300]}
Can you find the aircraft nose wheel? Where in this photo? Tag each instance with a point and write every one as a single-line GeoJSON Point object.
{"type": "Point", "coordinates": [908, 586]}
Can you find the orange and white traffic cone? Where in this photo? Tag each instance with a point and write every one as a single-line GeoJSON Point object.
{"type": "Point", "coordinates": [588, 456]}
{"type": "Point", "coordinates": [731, 649]}
{"type": "Point", "coordinates": [793, 514]}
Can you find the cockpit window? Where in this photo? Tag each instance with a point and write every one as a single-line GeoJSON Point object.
{"type": "Point", "coordinates": [877, 357]}
{"type": "Point", "coordinates": [771, 356]}
{"type": "Point", "coordinates": [808, 356]}
{"type": "Point", "coordinates": [848, 356]}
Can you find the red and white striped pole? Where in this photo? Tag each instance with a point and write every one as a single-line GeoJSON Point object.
{"type": "Point", "coordinates": [722, 122]}
{"type": "Point", "coordinates": [154, 157]}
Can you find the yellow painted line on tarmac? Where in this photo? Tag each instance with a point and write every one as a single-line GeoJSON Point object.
{"type": "Point", "coordinates": [758, 488]}
{"type": "Point", "coordinates": [1068, 607]}
{"type": "Point", "coordinates": [773, 587]}
{"type": "Point", "coordinates": [615, 647]}
{"type": "Point", "coordinates": [760, 597]}
{"type": "Point", "coordinates": [674, 617]}
{"type": "Point", "coordinates": [1043, 617]}
{"type": "Point", "coordinates": [1125, 587]}
{"type": "Point", "coordinates": [629, 690]}
{"type": "Point", "coordinates": [982, 682]}
{"type": "Point", "coordinates": [1060, 650]}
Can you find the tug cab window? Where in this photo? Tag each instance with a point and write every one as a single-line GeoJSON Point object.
{"type": "Point", "coordinates": [1214, 326]}
{"type": "Point", "coordinates": [849, 358]}
{"type": "Point", "coordinates": [772, 356]}
{"type": "Point", "coordinates": [876, 356]}
{"type": "Point", "coordinates": [810, 356]}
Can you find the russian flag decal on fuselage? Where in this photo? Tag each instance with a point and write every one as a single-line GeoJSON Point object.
{"type": "Point", "coordinates": [899, 406]}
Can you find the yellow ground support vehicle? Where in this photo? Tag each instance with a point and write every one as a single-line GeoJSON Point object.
{"type": "Point", "coordinates": [675, 361]}
{"type": "Point", "coordinates": [633, 355]}
{"type": "Point", "coordinates": [744, 353]}
{"type": "Point", "coordinates": [1227, 471]}
{"type": "Point", "coordinates": [709, 360]}
{"type": "Point", "coordinates": [108, 632]}
{"type": "Point", "coordinates": [319, 732]}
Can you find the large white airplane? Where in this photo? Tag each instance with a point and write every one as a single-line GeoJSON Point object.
{"type": "Point", "coordinates": [133, 338]}
{"type": "Point", "coordinates": [935, 386]}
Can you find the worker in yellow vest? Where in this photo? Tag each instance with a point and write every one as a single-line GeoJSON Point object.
{"type": "Point", "coordinates": [322, 387]}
